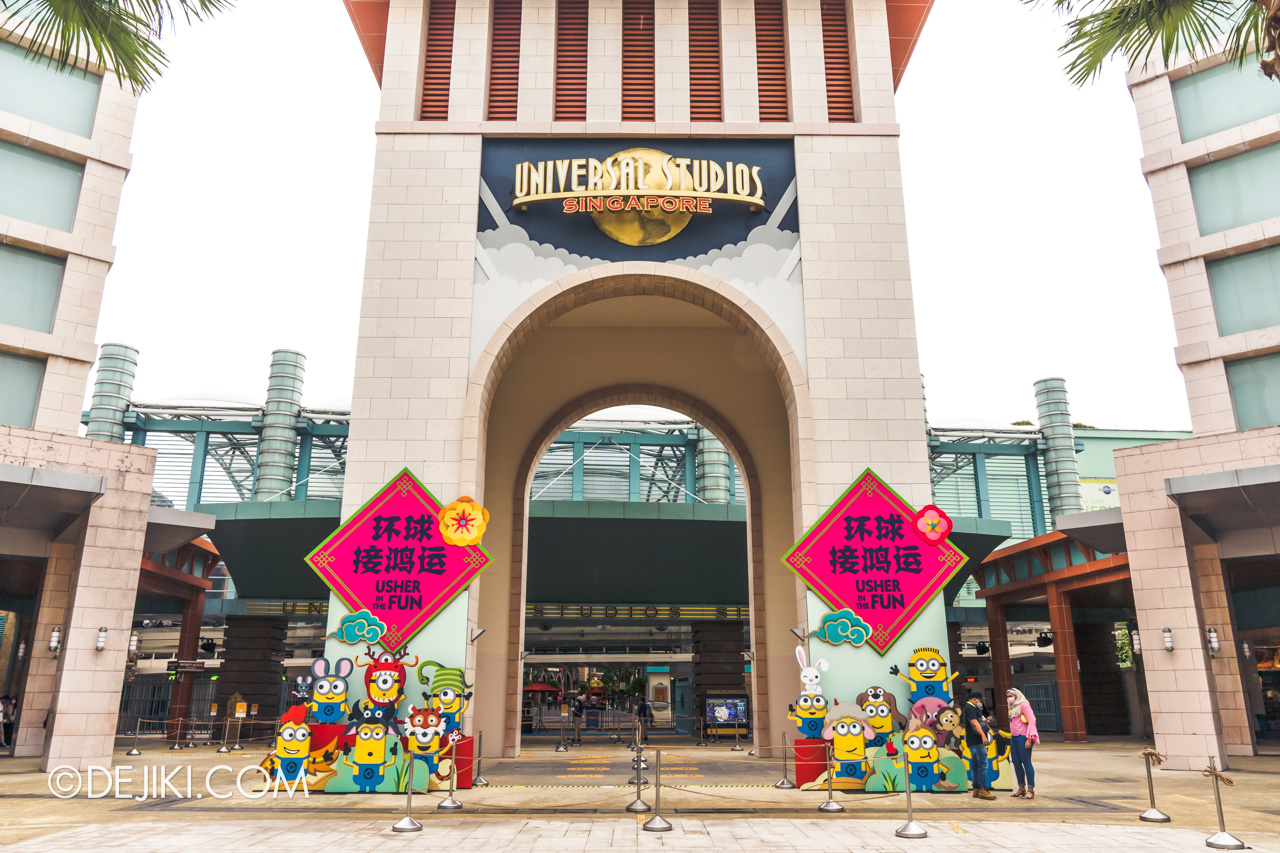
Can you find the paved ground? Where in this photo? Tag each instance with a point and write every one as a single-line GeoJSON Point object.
{"type": "Point", "coordinates": [508, 835]}
{"type": "Point", "coordinates": [1088, 798]}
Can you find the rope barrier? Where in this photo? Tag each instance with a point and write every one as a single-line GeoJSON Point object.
{"type": "Point", "coordinates": [1221, 840]}
{"type": "Point", "coordinates": [1152, 814]}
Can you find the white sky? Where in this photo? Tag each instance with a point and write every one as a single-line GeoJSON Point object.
{"type": "Point", "coordinates": [242, 225]}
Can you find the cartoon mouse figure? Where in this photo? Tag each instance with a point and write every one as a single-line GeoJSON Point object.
{"type": "Point", "coordinates": [329, 692]}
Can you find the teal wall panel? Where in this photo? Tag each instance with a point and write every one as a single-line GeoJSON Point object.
{"type": "Point", "coordinates": [29, 286]}
{"type": "Point", "coordinates": [20, 379]}
{"type": "Point", "coordinates": [47, 93]}
{"type": "Point", "coordinates": [1223, 97]}
{"type": "Point", "coordinates": [39, 188]}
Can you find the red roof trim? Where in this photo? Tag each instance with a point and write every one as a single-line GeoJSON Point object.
{"type": "Point", "coordinates": [369, 17]}
{"type": "Point", "coordinates": [906, 21]}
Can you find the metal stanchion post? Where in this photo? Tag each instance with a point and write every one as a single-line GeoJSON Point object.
{"type": "Point", "coordinates": [702, 731]}
{"type": "Point", "coordinates": [561, 746]}
{"type": "Point", "coordinates": [1153, 814]}
{"type": "Point", "coordinates": [830, 805]}
{"type": "Point", "coordinates": [657, 823]}
{"type": "Point", "coordinates": [1220, 840]}
{"type": "Point", "coordinates": [191, 733]}
{"type": "Point", "coordinates": [479, 781]}
{"type": "Point", "coordinates": [177, 737]}
{"type": "Point", "coordinates": [736, 746]}
{"type": "Point", "coordinates": [237, 746]}
{"type": "Point", "coordinates": [785, 783]}
{"type": "Point", "coordinates": [638, 806]}
{"type": "Point", "coordinates": [451, 803]}
{"type": "Point", "coordinates": [910, 829]}
{"type": "Point", "coordinates": [407, 823]}
{"type": "Point", "coordinates": [226, 727]}
{"type": "Point", "coordinates": [135, 751]}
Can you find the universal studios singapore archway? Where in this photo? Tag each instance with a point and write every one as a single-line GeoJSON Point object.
{"type": "Point", "coordinates": [804, 367]}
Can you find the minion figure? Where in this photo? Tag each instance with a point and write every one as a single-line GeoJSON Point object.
{"type": "Point", "coordinates": [370, 757]}
{"type": "Point", "coordinates": [329, 693]}
{"type": "Point", "coordinates": [427, 738]}
{"type": "Point", "coordinates": [449, 692]}
{"type": "Point", "coordinates": [997, 752]}
{"type": "Point", "coordinates": [883, 718]}
{"type": "Point", "coordinates": [927, 675]}
{"type": "Point", "coordinates": [809, 713]}
{"type": "Point", "coordinates": [848, 736]}
{"type": "Point", "coordinates": [920, 751]}
{"type": "Point", "coordinates": [291, 759]}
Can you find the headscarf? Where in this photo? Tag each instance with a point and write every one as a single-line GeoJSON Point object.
{"type": "Point", "coordinates": [1018, 697]}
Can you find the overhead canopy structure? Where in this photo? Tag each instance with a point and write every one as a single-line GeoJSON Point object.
{"type": "Point", "coordinates": [906, 22]}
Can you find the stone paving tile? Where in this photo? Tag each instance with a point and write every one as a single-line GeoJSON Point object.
{"type": "Point", "coordinates": [501, 835]}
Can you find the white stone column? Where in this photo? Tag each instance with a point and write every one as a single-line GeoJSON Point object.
{"type": "Point", "coordinates": [537, 61]}
{"type": "Point", "coordinates": [671, 60]}
{"type": "Point", "coordinates": [470, 70]}
{"type": "Point", "coordinates": [738, 61]}
{"type": "Point", "coordinates": [873, 66]}
{"type": "Point", "coordinates": [807, 74]}
{"type": "Point", "coordinates": [604, 60]}
{"type": "Point", "coordinates": [402, 63]}
{"type": "Point", "coordinates": [863, 366]}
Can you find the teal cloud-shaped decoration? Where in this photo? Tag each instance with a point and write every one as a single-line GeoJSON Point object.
{"type": "Point", "coordinates": [843, 626]}
{"type": "Point", "coordinates": [361, 627]}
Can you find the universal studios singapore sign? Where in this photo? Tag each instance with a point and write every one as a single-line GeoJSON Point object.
{"type": "Point", "coordinates": [641, 180]}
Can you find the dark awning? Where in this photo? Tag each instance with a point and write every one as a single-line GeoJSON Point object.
{"type": "Point", "coordinates": [1100, 529]}
{"type": "Point", "coordinates": [264, 545]}
{"type": "Point", "coordinates": [1239, 499]}
{"type": "Point", "coordinates": [41, 499]}
{"type": "Point", "coordinates": [168, 528]}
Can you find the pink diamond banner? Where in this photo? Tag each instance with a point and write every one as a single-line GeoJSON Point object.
{"type": "Point", "coordinates": [401, 558]}
{"type": "Point", "coordinates": [872, 554]}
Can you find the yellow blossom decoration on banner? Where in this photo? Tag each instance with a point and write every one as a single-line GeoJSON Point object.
{"type": "Point", "coordinates": [463, 522]}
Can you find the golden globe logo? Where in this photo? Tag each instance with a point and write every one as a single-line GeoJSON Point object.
{"type": "Point", "coordinates": [640, 196]}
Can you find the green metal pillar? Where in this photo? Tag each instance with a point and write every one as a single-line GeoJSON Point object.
{"type": "Point", "coordinates": [195, 483]}
{"type": "Point", "coordinates": [577, 470]}
{"type": "Point", "coordinates": [1036, 495]}
{"type": "Point", "coordinates": [982, 485]}
{"type": "Point", "coordinates": [304, 467]}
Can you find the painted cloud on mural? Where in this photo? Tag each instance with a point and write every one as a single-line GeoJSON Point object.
{"type": "Point", "coordinates": [510, 267]}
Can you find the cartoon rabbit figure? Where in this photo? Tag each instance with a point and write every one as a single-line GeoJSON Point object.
{"type": "Point", "coordinates": [809, 675]}
{"type": "Point", "coordinates": [329, 693]}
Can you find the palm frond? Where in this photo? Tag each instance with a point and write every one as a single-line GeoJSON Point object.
{"type": "Point", "coordinates": [122, 34]}
{"type": "Point", "coordinates": [1139, 29]}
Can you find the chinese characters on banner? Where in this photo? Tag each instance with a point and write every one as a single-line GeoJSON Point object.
{"type": "Point", "coordinates": [392, 559]}
{"type": "Point", "coordinates": [871, 553]}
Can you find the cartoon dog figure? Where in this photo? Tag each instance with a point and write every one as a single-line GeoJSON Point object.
{"type": "Point", "coordinates": [883, 718]}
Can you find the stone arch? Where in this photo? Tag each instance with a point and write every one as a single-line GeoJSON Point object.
{"type": "Point", "coordinates": [576, 410]}
{"type": "Point", "coordinates": [643, 278]}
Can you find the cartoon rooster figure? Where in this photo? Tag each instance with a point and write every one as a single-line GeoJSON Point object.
{"type": "Point", "coordinates": [291, 759]}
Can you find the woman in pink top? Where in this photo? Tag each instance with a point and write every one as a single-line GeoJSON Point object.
{"type": "Point", "coordinates": [1022, 726]}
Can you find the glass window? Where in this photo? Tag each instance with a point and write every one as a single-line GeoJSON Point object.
{"type": "Point", "coordinates": [1246, 290]}
{"type": "Point", "coordinates": [1237, 190]}
{"type": "Point", "coordinates": [19, 389]}
{"type": "Point", "coordinates": [38, 188]}
{"type": "Point", "coordinates": [1255, 390]}
{"type": "Point", "coordinates": [65, 99]}
{"type": "Point", "coordinates": [29, 285]}
{"type": "Point", "coordinates": [1223, 97]}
